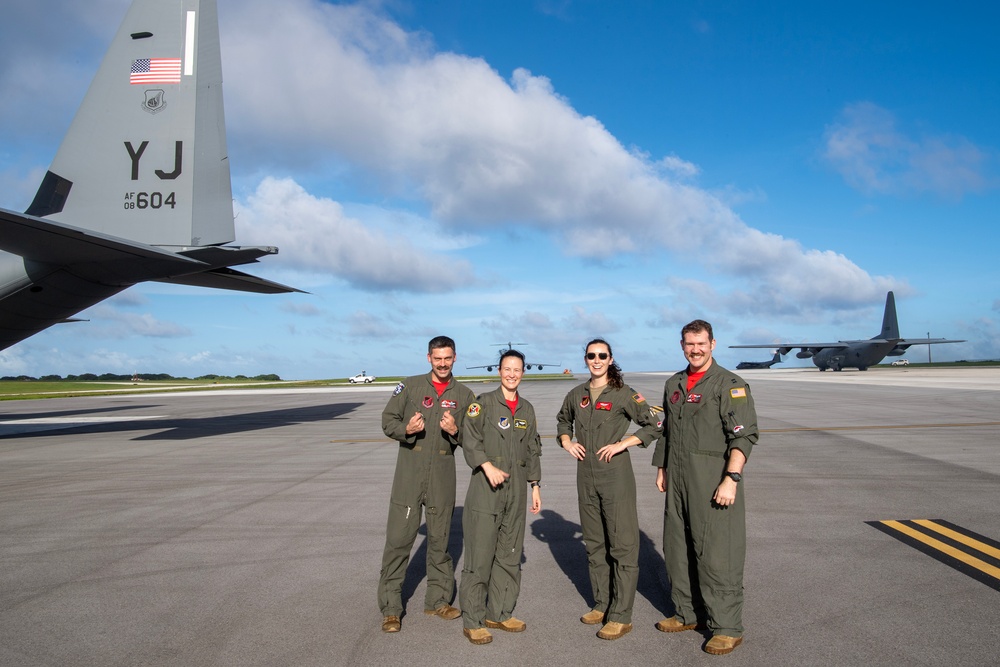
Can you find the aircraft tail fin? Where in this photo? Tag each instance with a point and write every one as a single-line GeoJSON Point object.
{"type": "Point", "coordinates": [890, 326]}
{"type": "Point", "coordinates": [128, 166]}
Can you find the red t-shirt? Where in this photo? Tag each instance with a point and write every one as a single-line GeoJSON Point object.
{"type": "Point", "coordinates": [512, 405]}
{"type": "Point", "coordinates": [693, 379]}
{"type": "Point", "coordinates": [439, 387]}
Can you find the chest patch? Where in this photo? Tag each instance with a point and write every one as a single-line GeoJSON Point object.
{"type": "Point", "coordinates": [694, 398]}
{"type": "Point", "coordinates": [428, 402]}
{"type": "Point", "coordinates": [674, 397]}
{"type": "Point", "coordinates": [448, 403]}
{"type": "Point", "coordinates": [520, 423]}
{"type": "Point", "coordinates": [603, 405]}
{"type": "Point", "coordinates": [585, 402]}
{"type": "Point", "coordinates": [504, 423]}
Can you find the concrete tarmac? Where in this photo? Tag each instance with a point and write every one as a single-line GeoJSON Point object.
{"type": "Point", "coordinates": [246, 528]}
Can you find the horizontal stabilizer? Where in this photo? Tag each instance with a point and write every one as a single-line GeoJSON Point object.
{"type": "Point", "coordinates": [228, 255]}
{"type": "Point", "coordinates": [232, 280]}
{"type": "Point", "coordinates": [51, 242]}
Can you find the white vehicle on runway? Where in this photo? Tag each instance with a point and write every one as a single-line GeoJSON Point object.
{"type": "Point", "coordinates": [361, 377]}
{"type": "Point", "coordinates": [901, 362]}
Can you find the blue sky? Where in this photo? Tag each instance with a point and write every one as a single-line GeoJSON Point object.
{"type": "Point", "coordinates": [550, 171]}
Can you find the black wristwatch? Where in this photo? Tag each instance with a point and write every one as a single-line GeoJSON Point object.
{"type": "Point", "coordinates": [534, 485]}
{"type": "Point", "coordinates": [735, 476]}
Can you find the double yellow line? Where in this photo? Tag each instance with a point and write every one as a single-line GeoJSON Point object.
{"type": "Point", "coordinates": [959, 548]}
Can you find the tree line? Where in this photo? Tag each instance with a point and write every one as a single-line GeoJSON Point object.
{"type": "Point", "coordinates": [114, 377]}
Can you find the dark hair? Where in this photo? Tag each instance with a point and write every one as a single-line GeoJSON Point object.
{"type": "Point", "coordinates": [697, 326]}
{"type": "Point", "coordinates": [438, 342]}
{"type": "Point", "coordinates": [511, 353]}
{"type": "Point", "coordinates": [615, 378]}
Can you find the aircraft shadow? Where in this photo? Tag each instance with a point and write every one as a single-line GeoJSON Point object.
{"type": "Point", "coordinates": [565, 540]}
{"type": "Point", "coordinates": [416, 570]}
{"type": "Point", "coordinates": [190, 429]}
{"type": "Point", "coordinates": [71, 413]}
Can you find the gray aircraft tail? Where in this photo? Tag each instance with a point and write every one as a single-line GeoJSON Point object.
{"type": "Point", "coordinates": [140, 188]}
{"type": "Point", "coordinates": [890, 326]}
{"type": "Point", "coordinates": [128, 165]}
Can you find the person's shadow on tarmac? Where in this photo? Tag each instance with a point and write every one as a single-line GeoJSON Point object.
{"type": "Point", "coordinates": [565, 540]}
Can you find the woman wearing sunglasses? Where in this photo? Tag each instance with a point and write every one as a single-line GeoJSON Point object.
{"type": "Point", "coordinates": [599, 413]}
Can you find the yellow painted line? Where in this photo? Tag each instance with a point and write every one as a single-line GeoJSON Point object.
{"type": "Point", "coordinates": [874, 427]}
{"type": "Point", "coordinates": [957, 554]}
{"type": "Point", "coordinates": [959, 537]}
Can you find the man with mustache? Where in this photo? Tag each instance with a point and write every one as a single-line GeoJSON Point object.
{"type": "Point", "coordinates": [424, 415]}
{"type": "Point", "coordinates": [709, 428]}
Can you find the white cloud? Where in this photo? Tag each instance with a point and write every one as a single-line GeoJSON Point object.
{"type": "Point", "coordinates": [304, 309]}
{"type": "Point", "coordinates": [873, 155]}
{"type": "Point", "coordinates": [314, 234]}
{"type": "Point", "coordinates": [480, 151]}
{"type": "Point", "coordinates": [108, 323]}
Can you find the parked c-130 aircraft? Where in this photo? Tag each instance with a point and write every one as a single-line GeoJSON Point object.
{"type": "Point", "coordinates": [140, 188]}
{"type": "Point", "coordinates": [858, 354]}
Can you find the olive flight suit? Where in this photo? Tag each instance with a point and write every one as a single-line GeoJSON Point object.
{"type": "Point", "coordinates": [493, 519]}
{"type": "Point", "coordinates": [704, 545]}
{"type": "Point", "coordinates": [606, 491]}
{"type": "Point", "coordinates": [425, 477]}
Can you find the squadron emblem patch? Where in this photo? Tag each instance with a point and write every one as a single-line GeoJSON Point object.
{"type": "Point", "coordinates": [474, 410]}
{"type": "Point", "coordinates": [399, 389]}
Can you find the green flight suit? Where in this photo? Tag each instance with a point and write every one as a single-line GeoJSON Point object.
{"type": "Point", "coordinates": [704, 545]}
{"type": "Point", "coordinates": [493, 519]}
{"type": "Point", "coordinates": [606, 491]}
{"type": "Point", "coordinates": [425, 477]}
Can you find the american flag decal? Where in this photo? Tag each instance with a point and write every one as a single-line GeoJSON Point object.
{"type": "Point", "coordinates": [155, 70]}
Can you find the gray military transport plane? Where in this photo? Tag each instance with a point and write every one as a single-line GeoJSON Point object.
{"type": "Point", "coordinates": [858, 354]}
{"type": "Point", "coordinates": [776, 359]}
{"type": "Point", "coordinates": [139, 189]}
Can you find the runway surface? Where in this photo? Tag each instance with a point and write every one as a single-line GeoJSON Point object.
{"type": "Point", "coordinates": [246, 528]}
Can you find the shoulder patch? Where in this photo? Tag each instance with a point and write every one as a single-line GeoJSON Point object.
{"type": "Point", "coordinates": [637, 397]}
{"type": "Point", "coordinates": [474, 410]}
{"type": "Point", "coordinates": [399, 389]}
{"type": "Point", "coordinates": [738, 393]}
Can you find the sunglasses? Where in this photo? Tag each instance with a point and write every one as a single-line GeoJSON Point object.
{"type": "Point", "coordinates": [597, 355]}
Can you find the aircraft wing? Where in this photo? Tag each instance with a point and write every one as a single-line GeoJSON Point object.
{"type": "Point", "coordinates": [907, 342]}
{"type": "Point", "coordinates": [785, 348]}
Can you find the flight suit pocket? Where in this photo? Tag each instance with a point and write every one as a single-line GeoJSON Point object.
{"type": "Point", "coordinates": [404, 521]}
